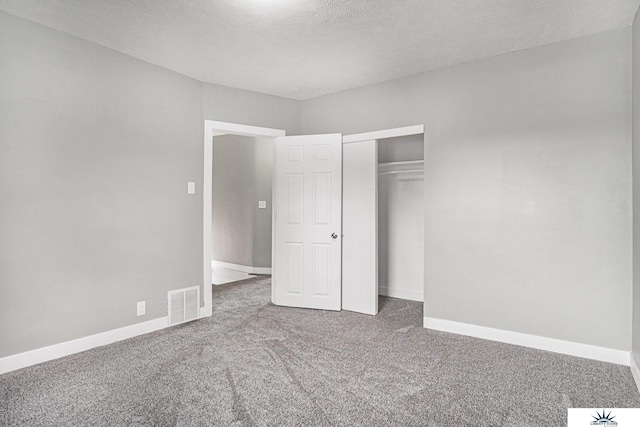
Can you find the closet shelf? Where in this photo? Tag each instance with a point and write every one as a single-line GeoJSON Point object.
{"type": "Point", "coordinates": [393, 168]}
{"type": "Point", "coordinates": [406, 162]}
{"type": "Point", "coordinates": [401, 171]}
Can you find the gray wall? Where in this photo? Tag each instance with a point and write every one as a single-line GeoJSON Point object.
{"type": "Point", "coordinates": [636, 190]}
{"type": "Point", "coordinates": [527, 184]}
{"type": "Point", "coordinates": [242, 175]}
{"type": "Point", "coordinates": [262, 220]}
{"type": "Point", "coordinates": [96, 149]}
{"type": "Point", "coordinates": [227, 104]}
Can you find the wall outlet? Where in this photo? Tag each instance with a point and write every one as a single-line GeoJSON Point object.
{"type": "Point", "coordinates": [262, 204]}
{"type": "Point", "coordinates": [141, 308]}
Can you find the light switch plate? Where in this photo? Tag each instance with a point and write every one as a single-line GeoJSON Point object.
{"type": "Point", "coordinates": [262, 204]}
{"type": "Point", "coordinates": [191, 187]}
{"type": "Point", "coordinates": [141, 308]}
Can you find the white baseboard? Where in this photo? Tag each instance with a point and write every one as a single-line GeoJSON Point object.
{"type": "Point", "coordinates": [244, 268]}
{"type": "Point", "coordinates": [587, 351]}
{"type": "Point", "coordinates": [400, 293]}
{"type": "Point", "coordinates": [635, 371]}
{"type": "Point", "coordinates": [44, 354]}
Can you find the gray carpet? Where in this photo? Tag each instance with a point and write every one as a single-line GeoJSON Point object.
{"type": "Point", "coordinates": [253, 363]}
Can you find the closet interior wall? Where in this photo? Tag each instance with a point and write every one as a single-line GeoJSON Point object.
{"type": "Point", "coordinates": [401, 217]}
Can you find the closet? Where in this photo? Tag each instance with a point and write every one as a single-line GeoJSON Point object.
{"type": "Point", "coordinates": [382, 217]}
{"type": "Point", "coordinates": [401, 217]}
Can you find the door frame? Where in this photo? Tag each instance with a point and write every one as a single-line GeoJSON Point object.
{"type": "Point", "coordinates": [215, 128]}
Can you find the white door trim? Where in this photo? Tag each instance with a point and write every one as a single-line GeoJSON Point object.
{"type": "Point", "coordinates": [383, 134]}
{"type": "Point", "coordinates": [211, 128]}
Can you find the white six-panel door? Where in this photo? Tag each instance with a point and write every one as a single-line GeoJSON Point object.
{"type": "Point", "coordinates": [307, 253]}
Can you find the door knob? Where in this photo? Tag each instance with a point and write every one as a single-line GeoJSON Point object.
{"type": "Point", "coordinates": [334, 236]}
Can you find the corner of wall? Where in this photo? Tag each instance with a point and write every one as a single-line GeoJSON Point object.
{"type": "Point", "coordinates": [635, 173]}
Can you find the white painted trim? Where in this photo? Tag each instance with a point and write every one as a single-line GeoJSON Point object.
{"type": "Point", "coordinates": [400, 293]}
{"type": "Point", "coordinates": [243, 268]}
{"type": "Point", "coordinates": [44, 354]}
{"type": "Point", "coordinates": [222, 128]}
{"type": "Point", "coordinates": [211, 128]}
{"type": "Point", "coordinates": [587, 351]}
{"type": "Point", "coordinates": [382, 134]}
{"type": "Point", "coordinates": [635, 371]}
{"type": "Point", "coordinates": [274, 200]}
{"type": "Point", "coordinates": [207, 290]}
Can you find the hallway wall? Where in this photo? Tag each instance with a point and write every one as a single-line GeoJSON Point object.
{"type": "Point", "coordinates": [242, 176]}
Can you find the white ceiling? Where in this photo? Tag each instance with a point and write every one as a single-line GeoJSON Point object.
{"type": "Point", "coordinates": [305, 48]}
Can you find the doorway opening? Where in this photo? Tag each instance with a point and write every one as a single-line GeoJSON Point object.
{"type": "Point", "coordinates": [241, 208]}
{"type": "Point", "coordinates": [226, 133]}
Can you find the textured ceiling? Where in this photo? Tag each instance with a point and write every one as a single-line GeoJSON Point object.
{"type": "Point", "coordinates": [305, 48]}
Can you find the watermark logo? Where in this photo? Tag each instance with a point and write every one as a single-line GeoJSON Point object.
{"type": "Point", "coordinates": [618, 417]}
{"type": "Point", "coordinates": [603, 419]}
